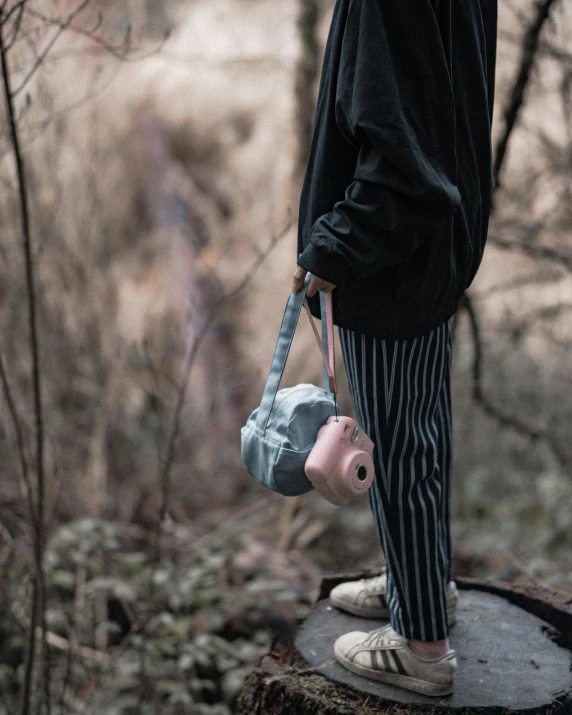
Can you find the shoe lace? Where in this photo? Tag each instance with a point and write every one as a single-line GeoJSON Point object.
{"type": "Point", "coordinates": [380, 637]}
{"type": "Point", "coordinates": [376, 583]}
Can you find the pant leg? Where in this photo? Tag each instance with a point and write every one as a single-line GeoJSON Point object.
{"type": "Point", "coordinates": [402, 398]}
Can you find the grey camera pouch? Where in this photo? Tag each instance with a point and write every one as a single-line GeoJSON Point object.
{"type": "Point", "coordinates": [279, 434]}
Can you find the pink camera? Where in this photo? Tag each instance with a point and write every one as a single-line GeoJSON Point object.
{"type": "Point", "coordinates": [340, 464]}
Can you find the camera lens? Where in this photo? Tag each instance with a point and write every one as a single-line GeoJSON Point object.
{"type": "Point", "coordinates": [362, 474]}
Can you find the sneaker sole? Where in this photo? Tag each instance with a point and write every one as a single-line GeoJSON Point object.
{"type": "Point", "coordinates": [408, 682]}
{"type": "Point", "coordinates": [371, 612]}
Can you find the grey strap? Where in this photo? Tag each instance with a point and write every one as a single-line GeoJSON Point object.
{"type": "Point", "coordinates": [283, 344]}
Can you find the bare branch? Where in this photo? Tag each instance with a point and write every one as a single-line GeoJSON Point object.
{"type": "Point", "coordinates": [63, 25]}
{"type": "Point", "coordinates": [544, 48]}
{"type": "Point", "coordinates": [246, 280]}
{"type": "Point", "coordinates": [191, 357]}
{"type": "Point", "coordinates": [27, 37]}
{"type": "Point", "coordinates": [17, 22]}
{"type": "Point", "coordinates": [536, 277]}
{"type": "Point", "coordinates": [61, 643]}
{"type": "Point", "coordinates": [517, 96]}
{"type": "Point", "coordinates": [39, 589]}
{"type": "Point", "coordinates": [116, 51]}
{"type": "Point", "coordinates": [533, 251]}
{"type": "Point", "coordinates": [21, 448]}
{"type": "Point", "coordinates": [5, 16]}
{"type": "Point", "coordinates": [504, 418]}
{"type": "Point", "coordinates": [42, 124]}
{"type": "Point", "coordinates": [543, 313]}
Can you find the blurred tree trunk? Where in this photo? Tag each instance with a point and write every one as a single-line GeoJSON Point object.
{"type": "Point", "coordinates": [307, 68]}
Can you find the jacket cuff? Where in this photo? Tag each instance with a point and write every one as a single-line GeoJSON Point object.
{"type": "Point", "coordinates": [330, 267]}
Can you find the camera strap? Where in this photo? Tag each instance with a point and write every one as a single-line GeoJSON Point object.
{"type": "Point", "coordinates": [285, 336]}
{"type": "Point", "coordinates": [327, 336]}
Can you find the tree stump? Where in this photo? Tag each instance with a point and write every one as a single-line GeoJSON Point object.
{"type": "Point", "coordinates": [513, 646]}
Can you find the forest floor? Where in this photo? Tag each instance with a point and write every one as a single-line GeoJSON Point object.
{"type": "Point", "coordinates": [140, 625]}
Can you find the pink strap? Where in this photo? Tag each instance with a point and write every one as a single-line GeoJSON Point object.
{"type": "Point", "coordinates": [330, 326]}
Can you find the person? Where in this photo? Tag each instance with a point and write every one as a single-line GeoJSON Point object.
{"type": "Point", "coordinates": [393, 220]}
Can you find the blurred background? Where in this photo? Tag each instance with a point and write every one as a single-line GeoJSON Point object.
{"type": "Point", "coordinates": [152, 156]}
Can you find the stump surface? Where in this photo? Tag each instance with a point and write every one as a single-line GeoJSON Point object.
{"type": "Point", "coordinates": [513, 644]}
{"type": "Point", "coordinates": [504, 658]}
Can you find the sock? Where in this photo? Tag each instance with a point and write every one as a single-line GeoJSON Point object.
{"type": "Point", "coordinates": [429, 649]}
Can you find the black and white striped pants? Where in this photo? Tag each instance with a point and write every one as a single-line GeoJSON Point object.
{"type": "Point", "coordinates": [401, 392]}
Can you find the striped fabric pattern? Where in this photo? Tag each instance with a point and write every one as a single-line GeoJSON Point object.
{"type": "Point", "coordinates": [387, 660]}
{"type": "Point", "coordinates": [402, 397]}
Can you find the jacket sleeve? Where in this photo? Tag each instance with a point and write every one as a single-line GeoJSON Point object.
{"type": "Point", "coordinates": [395, 104]}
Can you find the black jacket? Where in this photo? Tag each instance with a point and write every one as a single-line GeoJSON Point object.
{"type": "Point", "coordinates": [395, 202]}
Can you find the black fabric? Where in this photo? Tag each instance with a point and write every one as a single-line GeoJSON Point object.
{"type": "Point", "coordinates": [395, 203]}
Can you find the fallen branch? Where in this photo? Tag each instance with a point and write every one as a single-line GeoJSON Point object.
{"type": "Point", "coordinates": [62, 643]}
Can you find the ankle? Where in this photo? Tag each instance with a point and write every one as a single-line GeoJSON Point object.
{"type": "Point", "coordinates": [429, 649]}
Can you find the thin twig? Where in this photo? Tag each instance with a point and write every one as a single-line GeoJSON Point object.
{"type": "Point", "coordinates": [17, 22]}
{"type": "Point", "coordinates": [39, 599]}
{"type": "Point", "coordinates": [21, 448]}
{"type": "Point", "coordinates": [523, 568]}
{"type": "Point", "coordinates": [62, 643]}
{"type": "Point", "coordinates": [184, 382]}
{"type": "Point", "coordinates": [503, 418]}
{"type": "Point", "coordinates": [112, 659]}
{"type": "Point", "coordinates": [62, 25]}
{"type": "Point", "coordinates": [533, 250]}
{"type": "Point", "coordinates": [5, 15]}
{"type": "Point", "coordinates": [231, 521]}
{"type": "Point", "coordinates": [118, 53]}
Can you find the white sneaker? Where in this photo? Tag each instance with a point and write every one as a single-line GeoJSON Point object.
{"type": "Point", "coordinates": [385, 655]}
{"type": "Point", "coordinates": [366, 597]}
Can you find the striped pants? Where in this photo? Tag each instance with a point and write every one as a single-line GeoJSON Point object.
{"type": "Point", "coordinates": [401, 392]}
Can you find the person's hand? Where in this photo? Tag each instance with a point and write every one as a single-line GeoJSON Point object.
{"type": "Point", "coordinates": [314, 285]}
